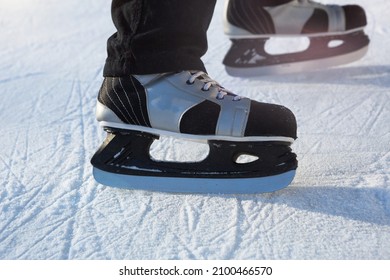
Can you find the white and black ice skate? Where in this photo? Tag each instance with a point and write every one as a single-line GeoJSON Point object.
{"type": "Point", "coordinates": [335, 36]}
{"type": "Point", "coordinates": [136, 110]}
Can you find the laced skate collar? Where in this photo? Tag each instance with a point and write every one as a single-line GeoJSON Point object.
{"type": "Point", "coordinates": [208, 83]}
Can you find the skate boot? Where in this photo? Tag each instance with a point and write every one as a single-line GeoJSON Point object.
{"type": "Point", "coordinates": [136, 110]}
{"type": "Point", "coordinates": [335, 35]}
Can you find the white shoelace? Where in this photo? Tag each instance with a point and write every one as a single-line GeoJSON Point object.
{"type": "Point", "coordinates": [208, 83]}
{"type": "Point", "coordinates": [307, 2]}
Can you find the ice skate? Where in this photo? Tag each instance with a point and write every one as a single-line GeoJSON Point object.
{"type": "Point", "coordinates": [136, 110]}
{"type": "Point", "coordinates": [335, 33]}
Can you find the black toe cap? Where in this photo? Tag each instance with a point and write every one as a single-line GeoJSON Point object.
{"type": "Point", "coordinates": [270, 120]}
{"type": "Point", "coordinates": [355, 17]}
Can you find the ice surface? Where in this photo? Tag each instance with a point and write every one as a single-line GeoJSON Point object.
{"type": "Point", "coordinates": [51, 59]}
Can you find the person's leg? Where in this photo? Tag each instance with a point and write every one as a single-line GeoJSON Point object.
{"type": "Point", "coordinates": [156, 36]}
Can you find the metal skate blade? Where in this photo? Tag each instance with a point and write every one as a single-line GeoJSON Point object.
{"type": "Point", "coordinates": [195, 185]}
{"type": "Point", "coordinates": [299, 66]}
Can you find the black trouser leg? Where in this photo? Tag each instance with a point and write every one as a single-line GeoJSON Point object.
{"type": "Point", "coordinates": [157, 36]}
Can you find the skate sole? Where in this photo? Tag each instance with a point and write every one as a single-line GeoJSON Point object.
{"type": "Point", "coordinates": [301, 66]}
{"type": "Point", "coordinates": [193, 137]}
{"type": "Point", "coordinates": [195, 185]}
{"type": "Point", "coordinates": [243, 34]}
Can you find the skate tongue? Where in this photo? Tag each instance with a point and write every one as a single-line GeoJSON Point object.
{"type": "Point", "coordinates": [200, 75]}
{"type": "Point", "coordinates": [209, 82]}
